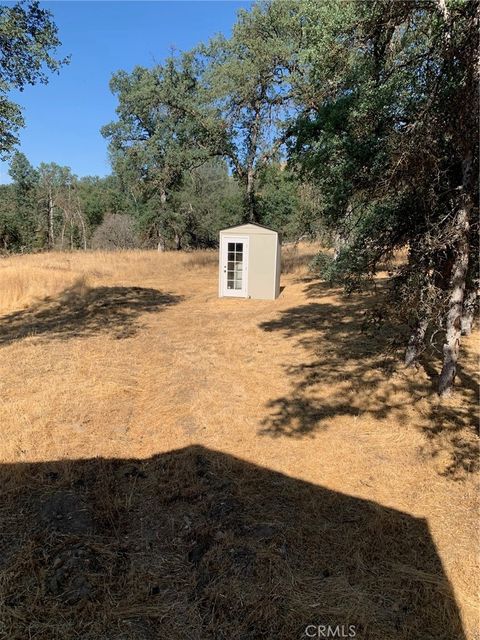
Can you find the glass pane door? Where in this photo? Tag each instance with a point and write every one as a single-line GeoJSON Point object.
{"type": "Point", "coordinates": [234, 265]}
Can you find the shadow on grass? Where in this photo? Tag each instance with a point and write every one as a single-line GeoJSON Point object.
{"type": "Point", "coordinates": [453, 426]}
{"type": "Point", "coordinates": [353, 366]}
{"type": "Point", "coordinates": [199, 544]}
{"type": "Point", "coordinates": [83, 312]}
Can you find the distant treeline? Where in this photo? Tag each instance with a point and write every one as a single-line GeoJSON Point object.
{"type": "Point", "coordinates": [47, 207]}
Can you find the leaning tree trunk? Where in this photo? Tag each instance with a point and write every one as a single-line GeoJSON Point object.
{"type": "Point", "coordinates": [416, 342]}
{"type": "Point", "coordinates": [451, 346]}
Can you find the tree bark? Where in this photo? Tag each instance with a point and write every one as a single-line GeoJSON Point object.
{"type": "Point", "coordinates": [160, 243]}
{"type": "Point", "coordinates": [451, 346]}
{"type": "Point", "coordinates": [251, 195]}
{"type": "Point", "coordinates": [51, 236]}
{"type": "Point", "coordinates": [469, 306]}
{"type": "Point", "coordinates": [250, 164]}
{"type": "Point", "coordinates": [62, 235]}
{"type": "Point", "coordinates": [340, 240]}
{"type": "Point", "coordinates": [416, 343]}
{"type": "Point", "coordinates": [442, 5]}
{"type": "Point", "coordinates": [84, 232]}
{"type": "Point", "coordinates": [338, 244]}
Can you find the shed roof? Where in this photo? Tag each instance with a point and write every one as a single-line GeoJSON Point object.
{"type": "Point", "coordinates": [249, 224]}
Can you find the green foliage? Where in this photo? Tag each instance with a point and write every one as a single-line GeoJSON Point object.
{"type": "Point", "coordinates": [322, 265]}
{"type": "Point", "coordinates": [246, 79]}
{"type": "Point", "coordinates": [164, 131]}
{"type": "Point", "coordinates": [226, 99]}
{"type": "Point", "coordinates": [354, 122]}
{"type": "Point", "coordinates": [23, 206]}
{"type": "Point", "coordinates": [383, 122]}
{"type": "Point", "coordinates": [208, 200]}
{"type": "Point", "coordinates": [100, 197]}
{"type": "Point", "coordinates": [10, 223]}
{"type": "Point", "coordinates": [388, 129]}
{"type": "Point", "coordinates": [288, 204]}
{"type": "Point", "coordinates": [154, 141]}
{"type": "Point", "coordinates": [278, 197]}
{"type": "Point", "coordinates": [29, 40]}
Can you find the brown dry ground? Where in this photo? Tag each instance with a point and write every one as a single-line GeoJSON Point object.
{"type": "Point", "coordinates": [178, 466]}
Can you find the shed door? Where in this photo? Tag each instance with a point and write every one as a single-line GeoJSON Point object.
{"type": "Point", "coordinates": [234, 266]}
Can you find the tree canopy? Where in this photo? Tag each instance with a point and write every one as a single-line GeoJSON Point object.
{"type": "Point", "coordinates": [389, 132]}
{"type": "Point", "coordinates": [28, 43]}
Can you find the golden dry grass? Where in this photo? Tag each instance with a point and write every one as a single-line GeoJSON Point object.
{"type": "Point", "coordinates": [314, 481]}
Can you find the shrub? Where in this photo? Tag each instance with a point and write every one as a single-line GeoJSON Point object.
{"type": "Point", "coordinates": [116, 232]}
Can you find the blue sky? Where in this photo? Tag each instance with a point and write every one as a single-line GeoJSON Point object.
{"type": "Point", "coordinates": [63, 118]}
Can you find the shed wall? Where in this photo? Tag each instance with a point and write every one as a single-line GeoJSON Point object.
{"type": "Point", "coordinates": [262, 266]}
{"type": "Point", "coordinates": [278, 267]}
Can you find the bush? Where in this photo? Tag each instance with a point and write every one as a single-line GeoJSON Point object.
{"type": "Point", "coordinates": [116, 232]}
{"type": "Point", "coordinates": [322, 265]}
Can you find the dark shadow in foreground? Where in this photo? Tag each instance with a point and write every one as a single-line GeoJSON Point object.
{"type": "Point", "coordinates": [82, 312]}
{"type": "Point", "coordinates": [196, 544]}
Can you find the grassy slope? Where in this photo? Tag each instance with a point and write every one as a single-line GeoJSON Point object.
{"type": "Point", "coordinates": [130, 356]}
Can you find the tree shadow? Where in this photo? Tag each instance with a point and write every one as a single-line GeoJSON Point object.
{"type": "Point", "coordinates": [453, 426]}
{"type": "Point", "coordinates": [198, 544]}
{"type": "Point", "coordinates": [81, 311]}
{"type": "Point", "coordinates": [353, 366]}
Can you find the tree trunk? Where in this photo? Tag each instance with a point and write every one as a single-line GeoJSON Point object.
{"type": "Point", "coordinates": [340, 239]}
{"type": "Point", "coordinates": [161, 242]}
{"type": "Point", "coordinates": [416, 343]}
{"type": "Point", "coordinates": [338, 243]}
{"type": "Point", "coordinates": [62, 235]}
{"type": "Point", "coordinates": [251, 195]}
{"type": "Point", "coordinates": [250, 164]}
{"type": "Point", "coordinates": [51, 236]}
{"type": "Point", "coordinates": [451, 346]}
{"type": "Point", "coordinates": [84, 232]}
{"type": "Point", "coordinates": [469, 307]}
{"type": "Point", "coordinates": [442, 5]}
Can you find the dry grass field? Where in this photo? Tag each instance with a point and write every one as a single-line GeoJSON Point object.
{"type": "Point", "coordinates": [174, 465]}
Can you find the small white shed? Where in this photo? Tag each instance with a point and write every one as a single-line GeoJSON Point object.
{"type": "Point", "coordinates": [249, 262]}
